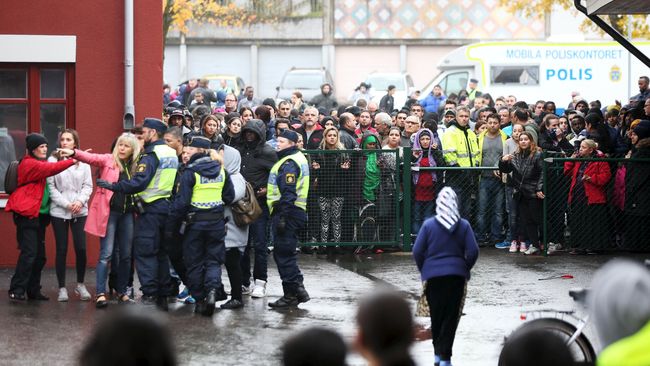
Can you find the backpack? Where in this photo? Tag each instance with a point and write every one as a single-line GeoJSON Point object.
{"type": "Point", "coordinates": [246, 210]}
{"type": "Point", "coordinates": [11, 177]}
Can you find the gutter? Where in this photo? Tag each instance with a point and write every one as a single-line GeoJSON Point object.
{"type": "Point", "coordinates": [613, 33]}
{"type": "Point", "coordinates": [129, 107]}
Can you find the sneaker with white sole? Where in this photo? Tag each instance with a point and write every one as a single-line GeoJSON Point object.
{"type": "Point", "coordinates": [513, 247]}
{"type": "Point", "coordinates": [502, 245]}
{"type": "Point", "coordinates": [531, 250]}
{"type": "Point", "coordinates": [523, 247]}
{"type": "Point", "coordinates": [260, 289]}
{"type": "Point", "coordinates": [82, 291]}
{"type": "Point", "coordinates": [63, 295]}
{"type": "Point", "coordinates": [246, 290]}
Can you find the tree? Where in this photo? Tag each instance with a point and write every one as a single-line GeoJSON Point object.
{"type": "Point", "coordinates": [640, 27]}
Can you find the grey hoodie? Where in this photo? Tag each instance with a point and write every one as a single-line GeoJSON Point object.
{"type": "Point", "coordinates": [236, 237]}
{"type": "Point", "coordinates": [620, 300]}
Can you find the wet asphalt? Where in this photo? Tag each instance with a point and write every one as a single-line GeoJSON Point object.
{"type": "Point", "coordinates": [502, 286]}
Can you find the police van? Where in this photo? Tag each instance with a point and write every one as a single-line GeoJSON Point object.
{"type": "Point", "coordinates": [543, 70]}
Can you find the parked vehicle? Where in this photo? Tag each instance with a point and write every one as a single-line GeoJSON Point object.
{"type": "Point", "coordinates": [542, 70]}
{"type": "Point", "coordinates": [306, 80]}
{"type": "Point", "coordinates": [234, 82]}
{"type": "Point", "coordinates": [379, 82]}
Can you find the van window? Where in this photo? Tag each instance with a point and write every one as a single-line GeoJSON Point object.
{"type": "Point", "coordinates": [454, 83]}
{"type": "Point", "coordinates": [520, 75]}
{"type": "Point", "coordinates": [382, 81]}
{"type": "Point", "coordinates": [302, 80]}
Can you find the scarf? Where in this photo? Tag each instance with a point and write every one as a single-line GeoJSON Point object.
{"type": "Point", "coordinates": [373, 174]}
{"type": "Point", "coordinates": [447, 208]}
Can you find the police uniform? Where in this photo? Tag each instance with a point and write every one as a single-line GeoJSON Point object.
{"type": "Point", "coordinates": [287, 192]}
{"type": "Point", "coordinates": [152, 184]}
{"type": "Point", "coordinates": [204, 189]}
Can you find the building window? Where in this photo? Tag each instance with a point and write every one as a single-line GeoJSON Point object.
{"type": "Point", "coordinates": [33, 98]}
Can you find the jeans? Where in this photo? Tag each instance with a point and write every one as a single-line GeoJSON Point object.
{"type": "Point", "coordinates": [422, 210]}
{"type": "Point", "coordinates": [258, 241]}
{"type": "Point", "coordinates": [490, 209]}
{"type": "Point", "coordinates": [119, 229]}
{"type": "Point", "coordinates": [61, 226]}
{"type": "Point", "coordinates": [464, 194]}
{"type": "Point", "coordinates": [284, 251]}
{"type": "Point", "coordinates": [30, 235]}
{"type": "Point", "coordinates": [511, 209]}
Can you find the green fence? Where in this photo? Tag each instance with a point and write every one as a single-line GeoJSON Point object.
{"type": "Point", "coordinates": [368, 199]}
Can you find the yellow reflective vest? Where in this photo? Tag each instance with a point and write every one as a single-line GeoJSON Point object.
{"type": "Point", "coordinates": [162, 182]}
{"type": "Point", "coordinates": [630, 351]}
{"type": "Point", "coordinates": [206, 193]}
{"type": "Point", "coordinates": [302, 182]}
{"type": "Point", "coordinates": [460, 150]}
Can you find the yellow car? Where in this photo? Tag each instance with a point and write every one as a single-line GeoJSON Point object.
{"type": "Point", "coordinates": [234, 82]}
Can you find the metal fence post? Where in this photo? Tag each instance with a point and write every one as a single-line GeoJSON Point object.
{"type": "Point", "coordinates": [544, 204]}
{"type": "Point", "coordinates": [406, 200]}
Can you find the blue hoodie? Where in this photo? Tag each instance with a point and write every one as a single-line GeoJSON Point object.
{"type": "Point", "coordinates": [445, 245]}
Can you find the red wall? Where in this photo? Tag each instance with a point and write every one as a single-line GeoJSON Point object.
{"type": "Point", "coordinates": [99, 73]}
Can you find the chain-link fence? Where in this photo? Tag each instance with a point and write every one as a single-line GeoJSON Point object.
{"type": "Point", "coordinates": [597, 204]}
{"type": "Point", "coordinates": [365, 198]}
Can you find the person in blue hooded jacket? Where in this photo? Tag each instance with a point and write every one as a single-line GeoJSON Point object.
{"type": "Point", "coordinates": [445, 251]}
{"type": "Point", "coordinates": [204, 189]}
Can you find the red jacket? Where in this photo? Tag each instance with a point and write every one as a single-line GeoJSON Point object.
{"type": "Point", "coordinates": [27, 198]}
{"type": "Point", "coordinates": [599, 174]}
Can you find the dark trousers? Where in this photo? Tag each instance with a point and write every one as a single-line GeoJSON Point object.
{"type": "Point", "coordinates": [30, 234]}
{"type": "Point", "coordinates": [284, 251]}
{"type": "Point", "coordinates": [529, 211]}
{"type": "Point", "coordinates": [204, 253]}
{"type": "Point", "coordinates": [259, 244]}
{"type": "Point", "coordinates": [464, 194]}
{"type": "Point", "coordinates": [175, 249]}
{"type": "Point", "coordinates": [233, 266]}
{"type": "Point", "coordinates": [445, 296]}
{"type": "Point", "coordinates": [61, 228]}
{"type": "Point", "coordinates": [151, 259]}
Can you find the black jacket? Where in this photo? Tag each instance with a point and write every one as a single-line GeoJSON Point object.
{"type": "Point", "coordinates": [548, 144]}
{"type": "Point", "coordinates": [637, 181]}
{"type": "Point", "coordinates": [257, 157]}
{"type": "Point", "coordinates": [386, 103]}
{"type": "Point", "coordinates": [527, 173]}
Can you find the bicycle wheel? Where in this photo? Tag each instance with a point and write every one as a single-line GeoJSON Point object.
{"type": "Point", "coordinates": [581, 349]}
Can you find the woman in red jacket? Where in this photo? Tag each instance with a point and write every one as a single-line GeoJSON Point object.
{"type": "Point", "coordinates": [587, 199]}
{"type": "Point", "coordinates": [30, 203]}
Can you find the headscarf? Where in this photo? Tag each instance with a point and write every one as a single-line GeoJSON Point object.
{"type": "Point", "coordinates": [447, 208]}
{"type": "Point", "coordinates": [417, 146]}
{"type": "Point", "coordinates": [373, 174]}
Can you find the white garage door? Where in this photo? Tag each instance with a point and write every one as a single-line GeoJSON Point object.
{"type": "Point", "coordinates": [275, 61]}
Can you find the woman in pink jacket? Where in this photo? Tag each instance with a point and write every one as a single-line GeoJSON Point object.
{"type": "Point", "coordinates": [111, 214]}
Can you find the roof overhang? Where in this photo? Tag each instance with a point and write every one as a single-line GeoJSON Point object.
{"type": "Point", "coordinates": [600, 7]}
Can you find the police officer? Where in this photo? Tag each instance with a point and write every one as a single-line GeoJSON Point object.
{"type": "Point", "coordinates": [287, 189]}
{"type": "Point", "coordinates": [152, 184]}
{"type": "Point", "coordinates": [204, 189]}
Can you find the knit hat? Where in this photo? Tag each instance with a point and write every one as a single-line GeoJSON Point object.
{"type": "Point", "coordinates": [642, 129]}
{"type": "Point", "coordinates": [200, 142]}
{"type": "Point", "coordinates": [289, 135]}
{"type": "Point", "coordinates": [327, 119]}
{"type": "Point", "coordinates": [34, 140]}
{"type": "Point", "coordinates": [450, 112]}
{"type": "Point", "coordinates": [447, 208]}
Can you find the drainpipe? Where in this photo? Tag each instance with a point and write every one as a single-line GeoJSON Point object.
{"type": "Point", "coordinates": [129, 107]}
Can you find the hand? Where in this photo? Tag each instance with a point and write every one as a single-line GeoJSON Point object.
{"type": "Point", "coordinates": [104, 184]}
{"type": "Point", "coordinates": [434, 146]}
{"type": "Point", "coordinates": [506, 157]}
{"type": "Point", "coordinates": [261, 192]}
{"type": "Point", "coordinates": [66, 153]}
{"type": "Point", "coordinates": [281, 227]}
{"type": "Point", "coordinates": [315, 165]}
{"type": "Point", "coordinates": [540, 195]}
{"type": "Point", "coordinates": [75, 207]}
{"type": "Point", "coordinates": [586, 177]}
{"type": "Point", "coordinates": [345, 165]}
{"type": "Point", "coordinates": [496, 173]}
{"type": "Point", "coordinates": [417, 153]}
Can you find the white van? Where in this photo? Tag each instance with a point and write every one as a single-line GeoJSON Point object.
{"type": "Point", "coordinates": [543, 70]}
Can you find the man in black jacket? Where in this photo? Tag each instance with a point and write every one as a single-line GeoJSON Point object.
{"type": "Point", "coordinates": [257, 159]}
{"type": "Point", "coordinates": [347, 126]}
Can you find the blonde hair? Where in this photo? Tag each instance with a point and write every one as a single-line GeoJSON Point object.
{"type": "Point", "coordinates": [337, 144]}
{"type": "Point", "coordinates": [590, 143]}
{"type": "Point", "coordinates": [214, 155]}
{"type": "Point", "coordinates": [130, 140]}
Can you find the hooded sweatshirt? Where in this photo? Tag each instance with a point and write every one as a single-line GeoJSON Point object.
{"type": "Point", "coordinates": [257, 156]}
{"type": "Point", "coordinates": [236, 236]}
{"type": "Point", "coordinates": [445, 245]}
{"type": "Point", "coordinates": [323, 100]}
{"type": "Point", "coordinates": [620, 300]}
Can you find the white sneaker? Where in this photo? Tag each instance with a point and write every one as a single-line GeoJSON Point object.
{"type": "Point", "coordinates": [523, 247]}
{"type": "Point", "coordinates": [63, 295]}
{"type": "Point", "coordinates": [513, 247]}
{"type": "Point", "coordinates": [260, 289]}
{"type": "Point", "coordinates": [82, 291]}
{"type": "Point", "coordinates": [246, 290]}
{"type": "Point", "coordinates": [531, 250]}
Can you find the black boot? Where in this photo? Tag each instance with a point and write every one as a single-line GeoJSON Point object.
{"type": "Point", "coordinates": [199, 308]}
{"type": "Point", "coordinates": [210, 300]}
{"type": "Point", "coordinates": [301, 293]}
{"type": "Point", "coordinates": [288, 300]}
{"type": "Point", "coordinates": [162, 303]}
